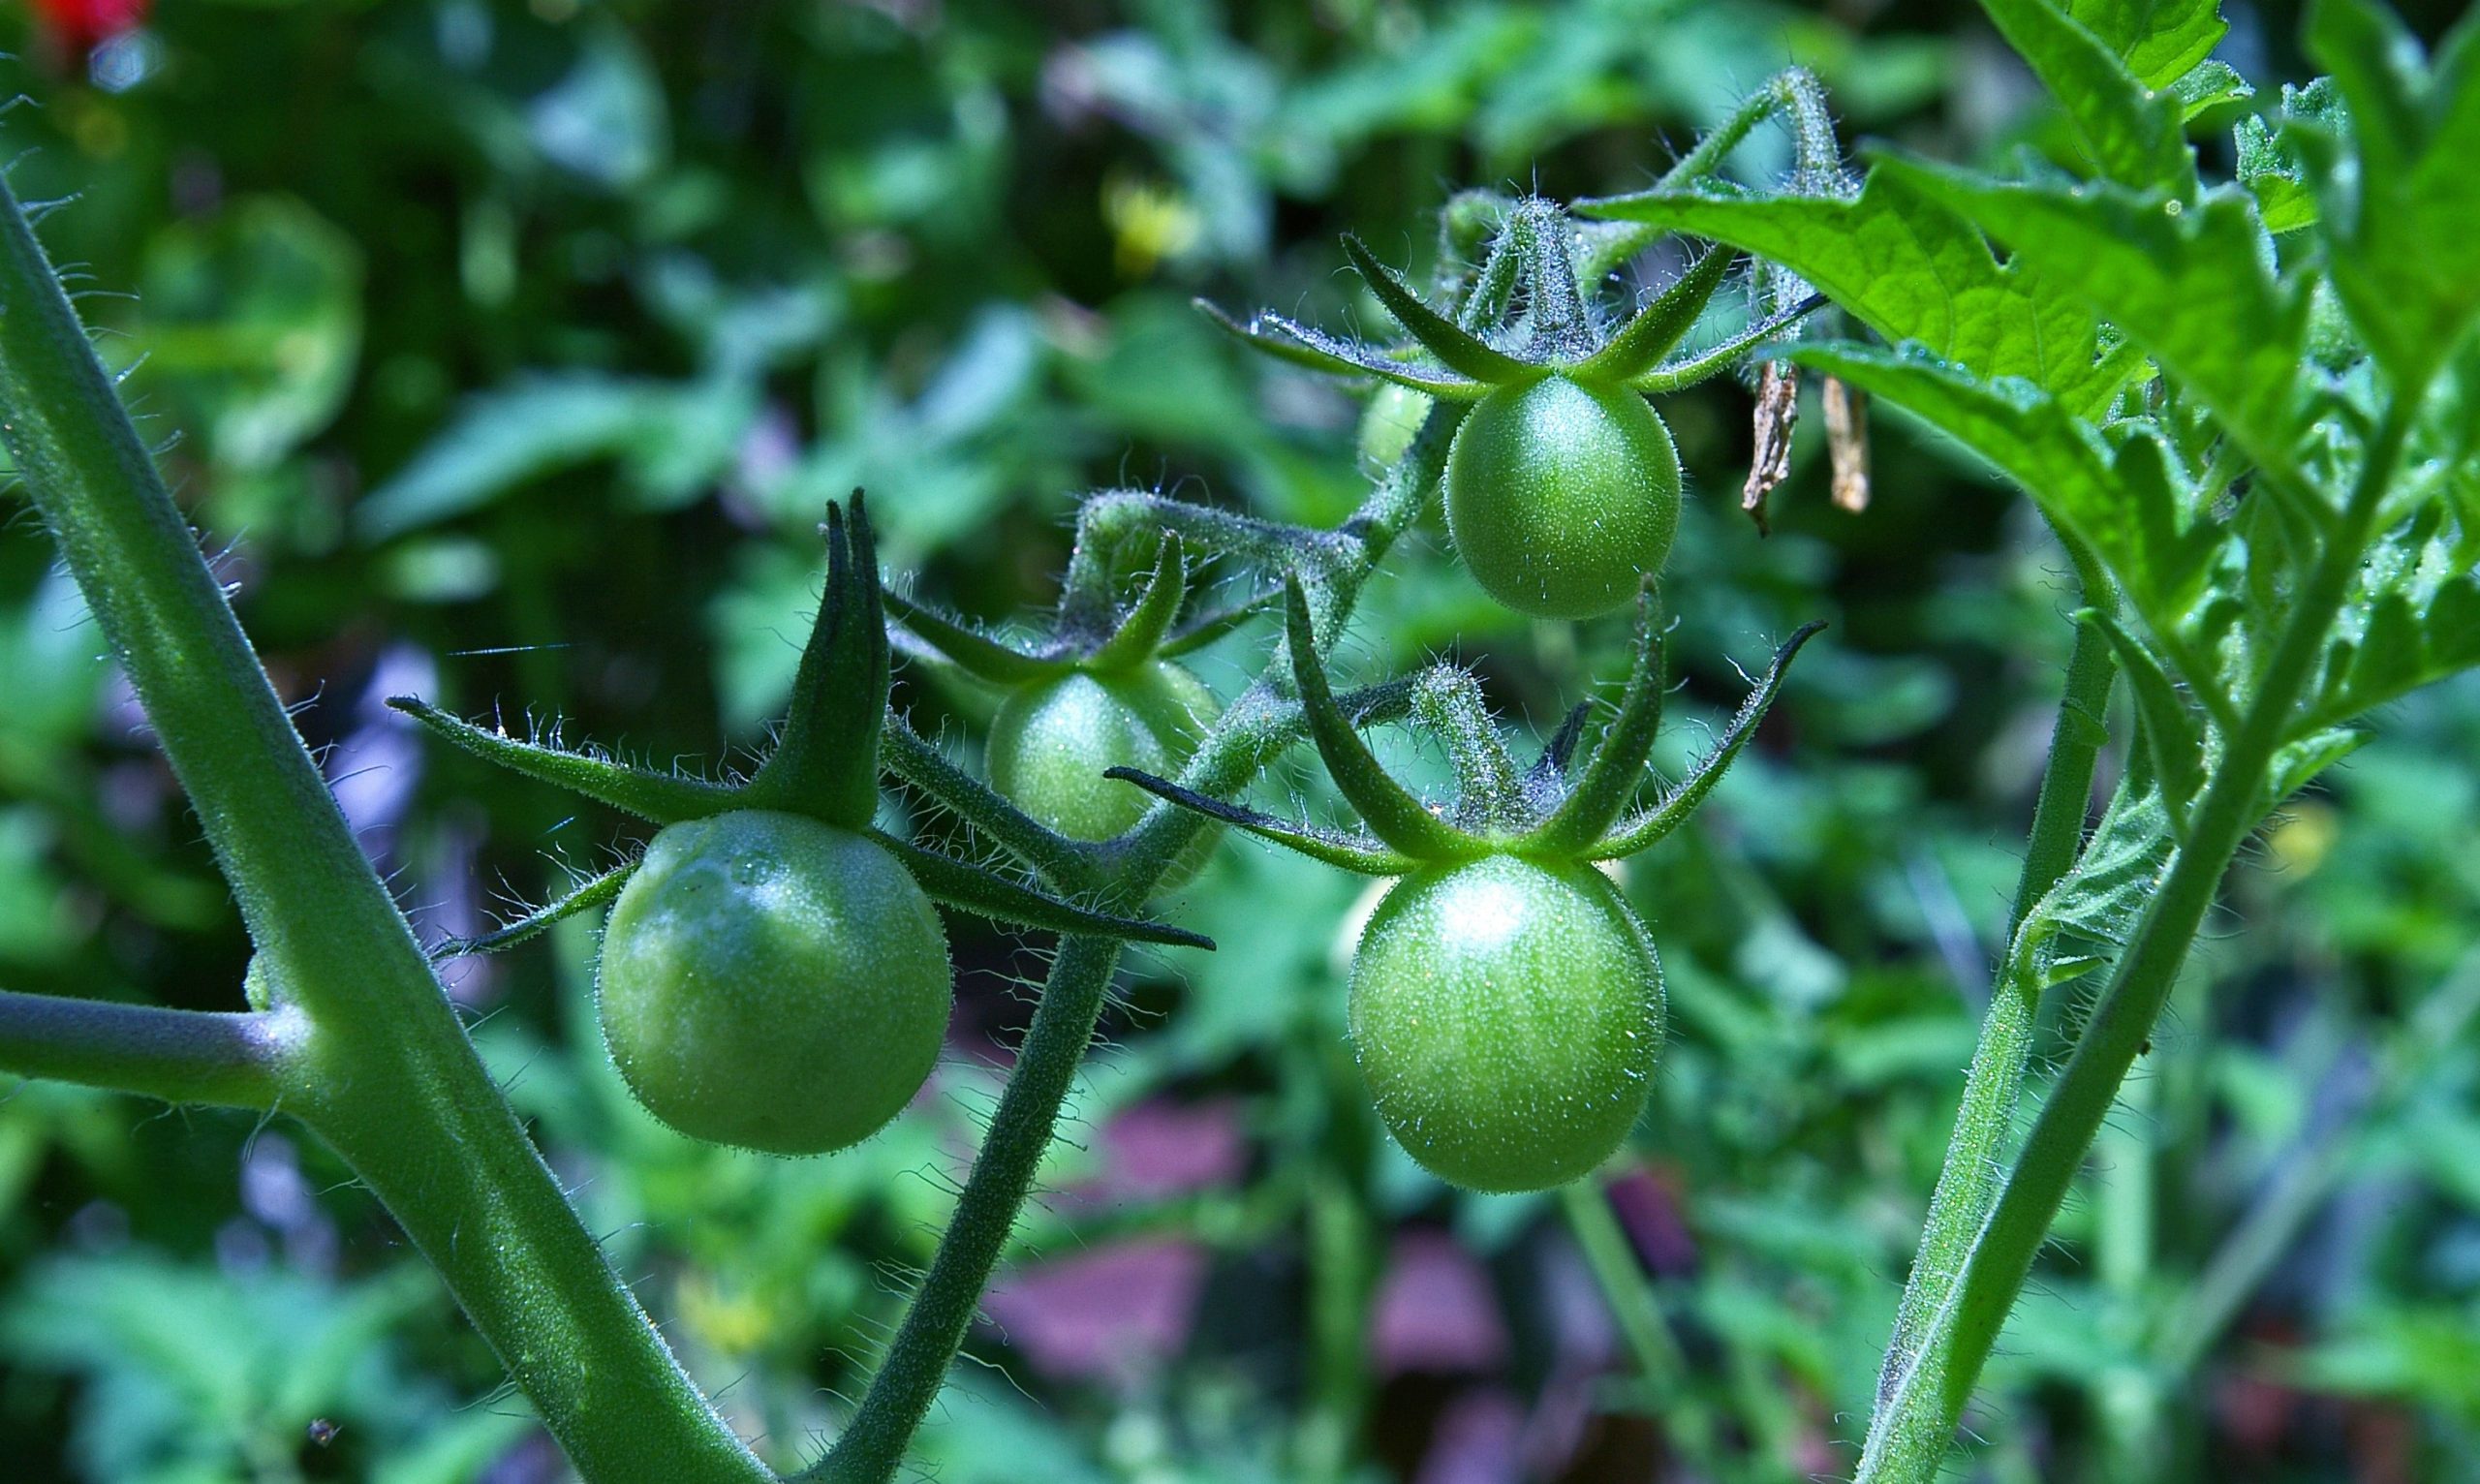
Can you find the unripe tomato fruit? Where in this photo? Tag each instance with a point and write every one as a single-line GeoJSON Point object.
{"type": "Point", "coordinates": [1560, 496]}
{"type": "Point", "coordinates": [1507, 1014]}
{"type": "Point", "coordinates": [773, 982]}
{"type": "Point", "coordinates": [1052, 739]}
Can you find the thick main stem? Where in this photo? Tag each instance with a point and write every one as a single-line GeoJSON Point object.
{"type": "Point", "coordinates": [1916, 1419]}
{"type": "Point", "coordinates": [385, 1071]}
{"type": "Point", "coordinates": [1967, 1183]}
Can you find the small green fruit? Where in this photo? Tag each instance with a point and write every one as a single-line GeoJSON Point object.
{"type": "Point", "coordinates": [1507, 1014]}
{"type": "Point", "coordinates": [773, 982]}
{"type": "Point", "coordinates": [1560, 496]}
{"type": "Point", "coordinates": [1052, 739]}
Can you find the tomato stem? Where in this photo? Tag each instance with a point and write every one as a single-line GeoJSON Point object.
{"type": "Point", "coordinates": [1920, 1406]}
{"type": "Point", "coordinates": [378, 1065]}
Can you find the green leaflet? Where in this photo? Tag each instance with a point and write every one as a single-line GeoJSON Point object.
{"type": "Point", "coordinates": [1909, 269]}
{"type": "Point", "coordinates": [2132, 133]}
{"type": "Point", "coordinates": [2173, 737]}
{"type": "Point", "coordinates": [2415, 619]}
{"type": "Point", "coordinates": [2080, 924]}
{"type": "Point", "coordinates": [2130, 505]}
{"type": "Point", "coordinates": [2159, 39]}
{"type": "Point", "coordinates": [2272, 172]}
{"type": "Point", "coordinates": [2208, 86]}
{"type": "Point", "coordinates": [2403, 229]}
{"type": "Point", "coordinates": [2192, 283]}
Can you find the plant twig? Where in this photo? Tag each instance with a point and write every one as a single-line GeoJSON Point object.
{"type": "Point", "coordinates": [383, 1069]}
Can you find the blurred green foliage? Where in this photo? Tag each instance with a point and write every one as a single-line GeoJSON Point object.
{"type": "Point", "coordinates": [513, 349]}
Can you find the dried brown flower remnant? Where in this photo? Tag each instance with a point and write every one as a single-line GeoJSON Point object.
{"type": "Point", "coordinates": [1846, 442]}
{"type": "Point", "coordinates": [1778, 412]}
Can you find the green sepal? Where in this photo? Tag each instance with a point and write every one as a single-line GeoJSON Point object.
{"type": "Point", "coordinates": [1148, 621]}
{"type": "Point", "coordinates": [826, 762]}
{"type": "Point", "coordinates": [1334, 848]}
{"type": "Point", "coordinates": [1648, 826]}
{"type": "Point", "coordinates": [1596, 800]}
{"type": "Point", "coordinates": [1650, 335]}
{"type": "Point", "coordinates": [1315, 350]}
{"type": "Point", "coordinates": [919, 761]}
{"type": "Point", "coordinates": [988, 894]}
{"type": "Point", "coordinates": [1207, 627]}
{"type": "Point", "coordinates": [1457, 349]}
{"type": "Point", "coordinates": [662, 798]}
{"type": "Point", "coordinates": [1705, 366]}
{"type": "Point", "coordinates": [593, 892]}
{"type": "Point", "coordinates": [977, 654]}
{"type": "Point", "coordinates": [1392, 814]}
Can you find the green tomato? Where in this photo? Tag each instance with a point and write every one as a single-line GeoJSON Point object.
{"type": "Point", "coordinates": [1507, 1014]}
{"type": "Point", "coordinates": [1560, 496]}
{"type": "Point", "coordinates": [1052, 739]}
{"type": "Point", "coordinates": [773, 982]}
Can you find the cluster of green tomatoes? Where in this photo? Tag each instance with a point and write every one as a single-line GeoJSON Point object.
{"type": "Point", "coordinates": [775, 975]}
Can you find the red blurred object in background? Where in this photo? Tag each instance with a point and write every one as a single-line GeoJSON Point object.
{"type": "Point", "coordinates": [83, 24]}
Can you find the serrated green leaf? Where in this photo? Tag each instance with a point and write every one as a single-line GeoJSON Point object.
{"type": "Point", "coordinates": [1908, 268]}
{"type": "Point", "coordinates": [2402, 228]}
{"type": "Point", "coordinates": [2131, 134]}
{"type": "Point", "coordinates": [2080, 924]}
{"type": "Point", "coordinates": [2270, 171]}
{"type": "Point", "coordinates": [2159, 40]}
{"type": "Point", "coordinates": [2297, 763]}
{"type": "Point", "coordinates": [2210, 86]}
{"type": "Point", "coordinates": [2414, 620]}
{"type": "Point", "coordinates": [2193, 285]}
{"type": "Point", "coordinates": [2129, 505]}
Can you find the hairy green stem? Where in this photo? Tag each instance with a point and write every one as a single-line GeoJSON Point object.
{"type": "Point", "coordinates": [1968, 1183]}
{"type": "Point", "coordinates": [916, 1366]}
{"type": "Point", "coordinates": [1917, 1418]}
{"type": "Point", "coordinates": [181, 1056]}
{"type": "Point", "coordinates": [383, 1069]}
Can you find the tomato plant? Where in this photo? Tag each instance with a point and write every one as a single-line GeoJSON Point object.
{"type": "Point", "coordinates": [2246, 410]}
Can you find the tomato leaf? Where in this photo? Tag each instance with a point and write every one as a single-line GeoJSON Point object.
{"type": "Point", "coordinates": [2172, 735]}
{"type": "Point", "coordinates": [2192, 285]}
{"type": "Point", "coordinates": [2401, 225]}
{"type": "Point", "coordinates": [2130, 505]}
{"type": "Point", "coordinates": [2271, 169]}
{"type": "Point", "coordinates": [1908, 268]}
{"type": "Point", "coordinates": [2131, 134]}
{"type": "Point", "coordinates": [2160, 41]}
